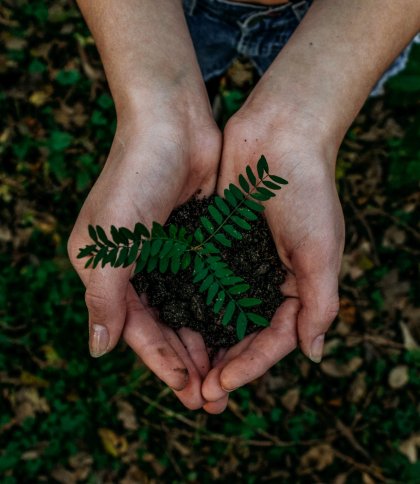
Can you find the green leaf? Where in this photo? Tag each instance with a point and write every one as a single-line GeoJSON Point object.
{"type": "Point", "coordinates": [223, 240]}
{"type": "Point", "coordinates": [210, 248]}
{"type": "Point", "coordinates": [227, 316]}
{"type": "Point", "coordinates": [201, 275]}
{"type": "Point", "coordinates": [221, 205]}
{"type": "Point", "coordinates": [122, 256]}
{"type": "Point", "coordinates": [236, 192]}
{"type": "Point", "coordinates": [198, 235]}
{"type": "Point", "coordinates": [271, 185]}
{"type": "Point", "coordinates": [166, 248]}
{"type": "Point", "coordinates": [217, 216]}
{"type": "Point", "coordinates": [231, 280]}
{"type": "Point", "coordinates": [244, 184]}
{"type": "Point", "coordinates": [230, 229]}
{"type": "Point", "coordinates": [92, 233]}
{"type": "Point", "coordinates": [173, 229]}
{"type": "Point", "coordinates": [115, 234]}
{"type": "Point", "coordinates": [103, 237]}
{"type": "Point", "coordinates": [88, 250]}
{"type": "Point", "coordinates": [230, 198]}
{"type": "Point", "coordinates": [255, 206]}
{"type": "Point", "coordinates": [68, 78]}
{"type": "Point", "coordinates": [259, 197]}
{"type": "Point", "coordinates": [152, 264]}
{"type": "Point", "coordinates": [122, 235]}
{"type": "Point", "coordinates": [243, 224]}
{"type": "Point", "coordinates": [186, 261]}
{"type": "Point", "coordinates": [164, 264]}
{"type": "Point", "coordinates": [141, 231]}
{"type": "Point", "coordinates": [99, 256]}
{"type": "Point", "coordinates": [258, 319]}
{"type": "Point", "coordinates": [249, 302]}
{"type": "Point", "coordinates": [144, 256]}
{"type": "Point", "coordinates": [218, 304]}
{"type": "Point", "coordinates": [156, 245]}
{"type": "Point", "coordinates": [208, 281]}
{"type": "Point", "coordinates": [241, 324]}
{"type": "Point", "coordinates": [132, 253]}
{"type": "Point", "coordinates": [111, 257]}
{"type": "Point", "coordinates": [198, 264]}
{"type": "Point", "coordinates": [158, 231]}
{"type": "Point", "coordinates": [278, 179]}
{"type": "Point", "coordinates": [126, 233]}
{"type": "Point", "coordinates": [205, 222]}
{"type": "Point", "coordinates": [267, 193]}
{"type": "Point", "coordinates": [239, 289]}
{"type": "Point", "coordinates": [247, 213]}
{"type": "Point", "coordinates": [262, 166]}
{"type": "Point", "coordinates": [89, 262]}
{"type": "Point", "coordinates": [251, 177]}
{"type": "Point", "coordinates": [212, 293]}
{"type": "Point", "coordinates": [175, 264]}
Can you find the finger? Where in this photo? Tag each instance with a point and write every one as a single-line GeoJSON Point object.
{"type": "Point", "coordinates": [212, 389]}
{"type": "Point", "coordinates": [318, 293]}
{"type": "Point", "coordinates": [196, 349]}
{"type": "Point", "coordinates": [105, 299]}
{"type": "Point", "coordinates": [144, 335]}
{"type": "Point", "coordinates": [270, 345]}
{"type": "Point", "coordinates": [217, 407]}
{"type": "Point", "coordinates": [190, 395]}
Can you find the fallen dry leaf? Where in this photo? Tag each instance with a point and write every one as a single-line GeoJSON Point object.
{"type": "Point", "coordinates": [337, 369]}
{"type": "Point", "coordinates": [318, 457]}
{"type": "Point", "coordinates": [398, 376]}
{"type": "Point", "coordinates": [290, 399]}
{"type": "Point", "coordinates": [358, 388]}
{"type": "Point", "coordinates": [409, 342]}
{"type": "Point", "coordinates": [114, 444]}
{"type": "Point", "coordinates": [409, 448]}
{"type": "Point", "coordinates": [127, 415]}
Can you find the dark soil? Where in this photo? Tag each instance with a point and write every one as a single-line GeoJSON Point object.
{"type": "Point", "coordinates": [178, 300]}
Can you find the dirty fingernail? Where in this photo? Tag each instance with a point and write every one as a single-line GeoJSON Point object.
{"type": "Point", "coordinates": [317, 348]}
{"type": "Point", "coordinates": [99, 340]}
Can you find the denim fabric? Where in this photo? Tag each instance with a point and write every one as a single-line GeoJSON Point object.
{"type": "Point", "coordinates": [222, 30]}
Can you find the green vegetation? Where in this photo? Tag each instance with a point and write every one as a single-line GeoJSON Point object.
{"type": "Point", "coordinates": [65, 417]}
{"type": "Point", "coordinates": [174, 249]}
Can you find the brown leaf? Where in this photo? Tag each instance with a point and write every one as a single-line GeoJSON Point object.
{"type": "Point", "coordinates": [127, 415]}
{"type": "Point", "coordinates": [398, 377]}
{"type": "Point", "coordinates": [332, 367]}
{"type": "Point", "coordinates": [114, 444]}
{"type": "Point", "coordinates": [409, 342]}
{"type": "Point", "coordinates": [347, 312]}
{"type": "Point", "coordinates": [358, 388]}
{"type": "Point", "coordinates": [26, 402]}
{"type": "Point", "coordinates": [64, 476]}
{"type": "Point", "coordinates": [318, 457]}
{"type": "Point", "coordinates": [409, 448]}
{"type": "Point", "coordinates": [290, 399]}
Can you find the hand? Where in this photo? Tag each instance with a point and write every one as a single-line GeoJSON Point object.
{"type": "Point", "coordinates": [307, 226]}
{"type": "Point", "coordinates": [153, 166]}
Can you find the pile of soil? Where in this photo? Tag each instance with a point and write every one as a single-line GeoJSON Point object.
{"type": "Point", "coordinates": [177, 299]}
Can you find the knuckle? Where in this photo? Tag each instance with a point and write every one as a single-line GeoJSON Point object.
{"type": "Point", "coordinates": [98, 305]}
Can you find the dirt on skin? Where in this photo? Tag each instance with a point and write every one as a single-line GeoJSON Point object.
{"type": "Point", "coordinates": [177, 299]}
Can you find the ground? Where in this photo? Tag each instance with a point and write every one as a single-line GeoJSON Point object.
{"type": "Point", "coordinates": [68, 418]}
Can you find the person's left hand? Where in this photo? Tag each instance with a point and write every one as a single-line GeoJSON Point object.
{"type": "Point", "coordinates": [308, 228]}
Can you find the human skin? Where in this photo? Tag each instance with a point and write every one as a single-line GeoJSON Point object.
{"type": "Point", "coordinates": [296, 116]}
{"type": "Point", "coordinates": [166, 148]}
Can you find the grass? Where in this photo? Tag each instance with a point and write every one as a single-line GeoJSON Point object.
{"type": "Point", "coordinates": [69, 418]}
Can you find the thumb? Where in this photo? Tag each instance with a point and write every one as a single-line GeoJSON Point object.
{"type": "Point", "coordinates": [319, 306]}
{"type": "Point", "coordinates": [106, 302]}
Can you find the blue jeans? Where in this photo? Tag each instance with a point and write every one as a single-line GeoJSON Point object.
{"type": "Point", "coordinates": [222, 30]}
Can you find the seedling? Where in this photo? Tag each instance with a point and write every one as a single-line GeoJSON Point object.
{"type": "Point", "coordinates": [171, 248]}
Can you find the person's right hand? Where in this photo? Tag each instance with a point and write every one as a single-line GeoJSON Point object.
{"type": "Point", "coordinates": [155, 163]}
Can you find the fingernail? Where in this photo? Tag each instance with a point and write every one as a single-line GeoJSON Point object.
{"type": "Point", "coordinates": [228, 391]}
{"type": "Point", "coordinates": [317, 348]}
{"type": "Point", "coordinates": [99, 340]}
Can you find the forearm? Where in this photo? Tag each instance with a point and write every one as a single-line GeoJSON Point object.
{"type": "Point", "coordinates": [146, 50]}
{"type": "Point", "coordinates": [334, 58]}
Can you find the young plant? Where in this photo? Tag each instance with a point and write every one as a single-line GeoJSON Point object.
{"type": "Point", "coordinates": [172, 248]}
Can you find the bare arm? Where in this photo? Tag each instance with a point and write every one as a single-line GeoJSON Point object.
{"type": "Point", "coordinates": [165, 149]}
{"type": "Point", "coordinates": [297, 116]}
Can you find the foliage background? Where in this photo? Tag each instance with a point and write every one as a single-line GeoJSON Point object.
{"type": "Point", "coordinates": [65, 417]}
